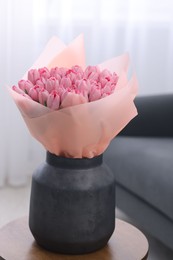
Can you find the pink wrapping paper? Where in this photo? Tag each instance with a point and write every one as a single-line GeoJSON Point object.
{"type": "Point", "coordinates": [83, 130]}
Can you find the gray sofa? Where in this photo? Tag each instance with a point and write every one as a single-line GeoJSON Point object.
{"type": "Point", "coordinates": [142, 159]}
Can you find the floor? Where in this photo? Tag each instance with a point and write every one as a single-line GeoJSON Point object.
{"type": "Point", "coordinates": [14, 203]}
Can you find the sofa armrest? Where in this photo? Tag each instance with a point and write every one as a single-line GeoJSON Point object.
{"type": "Point", "coordinates": [155, 117]}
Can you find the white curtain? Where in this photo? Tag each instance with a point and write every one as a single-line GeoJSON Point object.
{"type": "Point", "coordinates": [111, 27]}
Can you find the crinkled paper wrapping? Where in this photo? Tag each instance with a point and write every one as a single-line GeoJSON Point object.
{"type": "Point", "coordinates": [83, 130]}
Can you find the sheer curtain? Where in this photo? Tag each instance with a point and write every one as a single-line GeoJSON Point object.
{"type": "Point", "coordinates": [143, 28]}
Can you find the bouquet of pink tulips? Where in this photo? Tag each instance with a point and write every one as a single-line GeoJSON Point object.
{"type": "Point", "coordinates": [62, 87]}
{"type": "Point", "coordinates": [75, 110]}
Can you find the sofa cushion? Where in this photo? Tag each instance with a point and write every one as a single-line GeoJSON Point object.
{"type": "Point", "coordinates": [144, 165]}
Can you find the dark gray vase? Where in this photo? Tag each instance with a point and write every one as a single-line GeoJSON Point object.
{"type": "Point", "coordinates": [72, 204]}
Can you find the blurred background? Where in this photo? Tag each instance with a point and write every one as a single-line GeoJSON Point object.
{"type": "Point", "coordinates": [143, 28]}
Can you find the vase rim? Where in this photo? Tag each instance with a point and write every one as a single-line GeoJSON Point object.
{"type": "Point", "coordinates": [73, 163]}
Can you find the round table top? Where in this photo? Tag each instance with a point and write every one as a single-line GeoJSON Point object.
{"type": "Point", "coordinates": [126, 243]}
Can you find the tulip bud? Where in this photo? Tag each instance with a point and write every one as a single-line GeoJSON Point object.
{"type": "Point", "coordinates": [107, 88]}
{"type": "Point", "coordinates": [52, 84]}
{"type": "Point", "coordinates": [71, 99]}
{"type": "Point", "coordinates": [115, 78]}
{"type": "Point", "coordinates": [43, 96]}
{"type": "Point", "coordinates": [95, 93]}
{"type": "Point", "coordinates": [54, 72]}
{"type": "Point", "coordinates": [44, 73]}
{"type": "Point", "coordinates": [25, 85]}
{"type": "Point", "coordinates": [53, 100]}
{"type": "Point", "coordinates": [66, 82]}
{"type": "Point", "coordinates": [33, 92]}
{"type": "Point", "coordinates": [20, 91]}
{"type": "Point", "coordinates": [33, 75]}
{"type": "Point", "coordinates": [84, 87]}
{"type": "Point", "coordinates": [105, 74]}
{"type": "Point", "coordinates": [92, 72]}
{"type": "Point", "coordinates": [78, 71]}
{"type": "Point", "coordinates": [41, 83]}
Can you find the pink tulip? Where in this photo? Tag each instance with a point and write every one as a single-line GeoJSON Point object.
{"type": "Point", "coordinates": [103, 82]}
{"type": "Point", "coordinates": [106, 77]}
{"type": "Point", "coordinates": [114, 78]}
{"type": "Point", "coordinates": [94, 76]}
{"type": "Point", "coordinates": [113, 86]}
{"type": "Point", "coordinates": [72, 99]}
{"type": "Point", "coordinates": [58, 72]}
{"type": "Point", "coordinates": [33, 75]}
{"type": "Point", "coordinates": [41, 82]}
{"type": "Point", "coordinates": [20, 91]}
{"type": "Point", "coordinates": [78, 70]}
{"type": "Point", "coordinates": [66, 82]}
{"type": "Point", "coordinates": [114, 81]}
{"type": "Point", "coordinates": [72, 76]}
{"type": "Point", "coordinates": [62, 71]}
{"type": "Point", "coordinates": [33, 92]}
{"type": "Point", "coordinates": [92, 72]}
{"type": "Point", "coordinates": [105, 74]}
{"type": "Point", "coordinates": [25, 85]}
{"type": "Point", "coordinates": [84, 87]}
{"type": "Point", "coordinates": [43, 96]}
{"type": "Point", "coordinates": [44, 73]}
{"type": "Point", "coordinates": [52, 84]}
{"type": "Point", "coordinates": [107, 88]}
{"type": "Point", "coordinates": [63, 87]}
{"type": "Point", "coordinates": [95, 93]}
{"type": "Point", "coordinates": [75, 73]}
{"type": "Point", "coordinates": [53, 100]}
{"type": "Point", "coordinates": [54, 72]}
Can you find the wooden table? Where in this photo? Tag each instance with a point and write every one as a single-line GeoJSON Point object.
{"type": "Point", "coordinates": [17, 243]}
